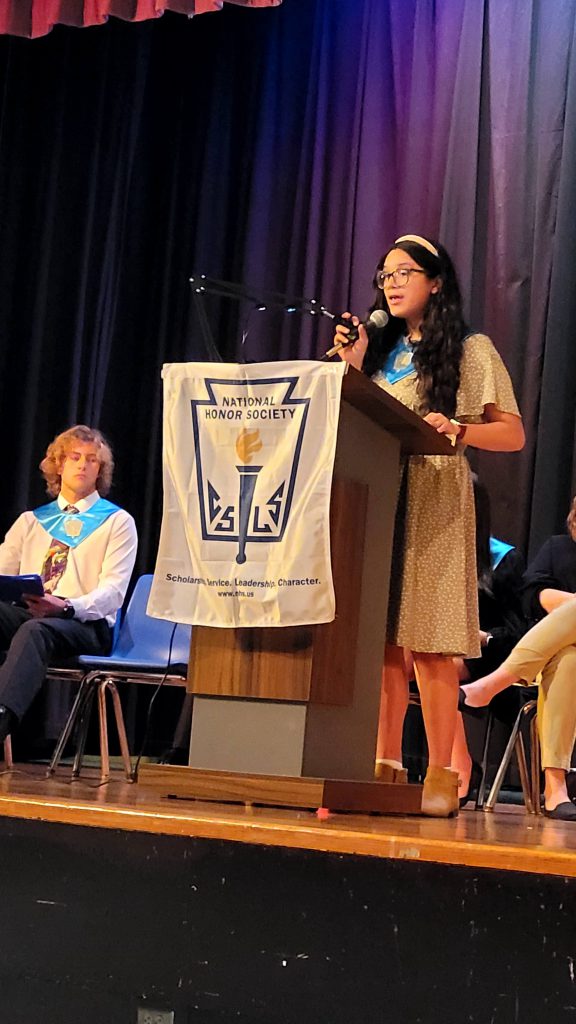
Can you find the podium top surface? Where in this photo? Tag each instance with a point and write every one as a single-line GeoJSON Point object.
{"type": "Point", "coordinates": [416, 437]}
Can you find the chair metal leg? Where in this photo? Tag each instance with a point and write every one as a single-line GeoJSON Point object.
{"type": "Point", "coordinates": [108, 684]}
{"type": "Point", "coordinates": [480, 799]}
{"type": "Point", "coordinates": [103, 729]}
{"type": "Point", "coordinates": [535, 765]}
{"type": "Point", "coordinates": [523, 770]}
{"type": "Point", "coordinates": [530, 780]}
{"type": "Point", "coordinates": [503, 767]}
{"type": "Point", "coordinates": [91, 686]}
{"type": "Point", "coordinates": [76, 710]}
{"type": "Point", "coordinates": [83, 726]}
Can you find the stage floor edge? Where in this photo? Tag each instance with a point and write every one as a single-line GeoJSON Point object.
{"type": "Point", "coordinates": [507, 839]}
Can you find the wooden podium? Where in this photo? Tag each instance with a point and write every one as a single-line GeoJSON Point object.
{"type": "Point", "coordinates": [301, 703]}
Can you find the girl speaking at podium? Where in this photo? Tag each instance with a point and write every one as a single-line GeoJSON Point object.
{"type": "Point", "coordinates": [427, 358]}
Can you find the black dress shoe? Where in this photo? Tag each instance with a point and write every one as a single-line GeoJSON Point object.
{"type": "Point", "coordinates": [467, 709]}
{"type": "Point", "coordinates": [9, 721]}
{"type": "Point", "coordinates": [565, 811]}
{"type": "Point", "coordinates": [474, 784]}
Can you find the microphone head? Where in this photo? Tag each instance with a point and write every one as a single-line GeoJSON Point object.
{"type": "Point", "coordinates": [378, 318]}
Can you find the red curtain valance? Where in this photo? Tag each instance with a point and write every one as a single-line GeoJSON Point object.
{"type": "Point", "coordinates": [37, 17]}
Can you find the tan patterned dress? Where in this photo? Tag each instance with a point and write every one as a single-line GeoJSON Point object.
{"type": "Point", "coordinates": [433, 589]}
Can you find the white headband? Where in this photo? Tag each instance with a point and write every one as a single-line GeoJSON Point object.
{"type": "Point", "coordinates": [419, 241]}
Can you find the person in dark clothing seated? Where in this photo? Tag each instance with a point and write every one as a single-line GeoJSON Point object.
{"type": "Point", "coordinates": [502, 623]}
{"type": "Point", "coordinates": [550, 579]}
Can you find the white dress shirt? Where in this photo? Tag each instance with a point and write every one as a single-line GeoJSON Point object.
{"type": "Point", "coordinates": [98, 570]}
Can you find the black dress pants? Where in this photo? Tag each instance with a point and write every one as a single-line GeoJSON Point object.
{"type": "Point", "coordinates": [32, 644]}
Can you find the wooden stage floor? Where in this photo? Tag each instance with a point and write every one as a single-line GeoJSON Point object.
{"type": "Point", "coordinates": [507, 839]}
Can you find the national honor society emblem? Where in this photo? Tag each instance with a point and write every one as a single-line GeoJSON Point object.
{"type": "Point", "coordinates": [248, 455]}
{"type": "Point", "coordinates": [248, 437]}
{"type": "Point", "coordinates": [73, 526]}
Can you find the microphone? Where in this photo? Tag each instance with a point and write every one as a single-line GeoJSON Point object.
{"type": "Point", "coordinates": [377, 319]}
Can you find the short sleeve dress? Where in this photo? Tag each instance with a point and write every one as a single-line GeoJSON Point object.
{"type": "Point", "coordinates": [433, 605]}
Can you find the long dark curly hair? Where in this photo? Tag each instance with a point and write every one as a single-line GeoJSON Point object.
{"type": "Point", "coordinates": [438, 355]}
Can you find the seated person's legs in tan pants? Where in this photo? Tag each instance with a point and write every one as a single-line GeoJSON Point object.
{"type": "Point", "coordinates": [548, 648]}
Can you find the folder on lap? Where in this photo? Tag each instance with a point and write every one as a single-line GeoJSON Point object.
{"type": "Point", "coordinates": [12, 588]}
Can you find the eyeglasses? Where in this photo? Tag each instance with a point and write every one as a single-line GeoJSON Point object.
{"type": "Point", "coordinates": [398, 277]}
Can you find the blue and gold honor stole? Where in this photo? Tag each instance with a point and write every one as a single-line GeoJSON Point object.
{"type": "Point", "coordinates": [498, 550]}
{"type": "Point", "coordinates": [398, 363]}
{"type": "Point", "coordinates": [72, 528]}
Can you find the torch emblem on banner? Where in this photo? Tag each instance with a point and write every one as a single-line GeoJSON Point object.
{"type": "Point", "coordinates": [247, 444]}
{"type": "Point", "coordinates": [260, 421]}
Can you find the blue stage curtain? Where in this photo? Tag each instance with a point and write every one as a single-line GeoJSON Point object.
{"type": "Point", "coordinates": [34, 18]}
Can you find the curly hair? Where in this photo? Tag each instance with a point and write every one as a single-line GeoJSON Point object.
{"type": "Point", "coordinates": [53, 461]}
{"type": "Point", "coordinates": [438, 355]}
{"type": "Point", "coordinates": [571, 520]}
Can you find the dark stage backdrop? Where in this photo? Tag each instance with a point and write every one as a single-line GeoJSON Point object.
{"type": "Point", "coordinates": [285, 147]}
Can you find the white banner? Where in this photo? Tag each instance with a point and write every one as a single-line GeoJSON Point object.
{"type": "Point", "coordinates": [247, 463]}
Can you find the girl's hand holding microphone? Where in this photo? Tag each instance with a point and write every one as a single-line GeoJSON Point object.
{"type": "Point", "coordinates": [352, 353]}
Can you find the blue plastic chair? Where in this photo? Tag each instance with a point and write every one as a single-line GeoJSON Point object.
{"type": "Point", "coordinates": [146, 650]}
